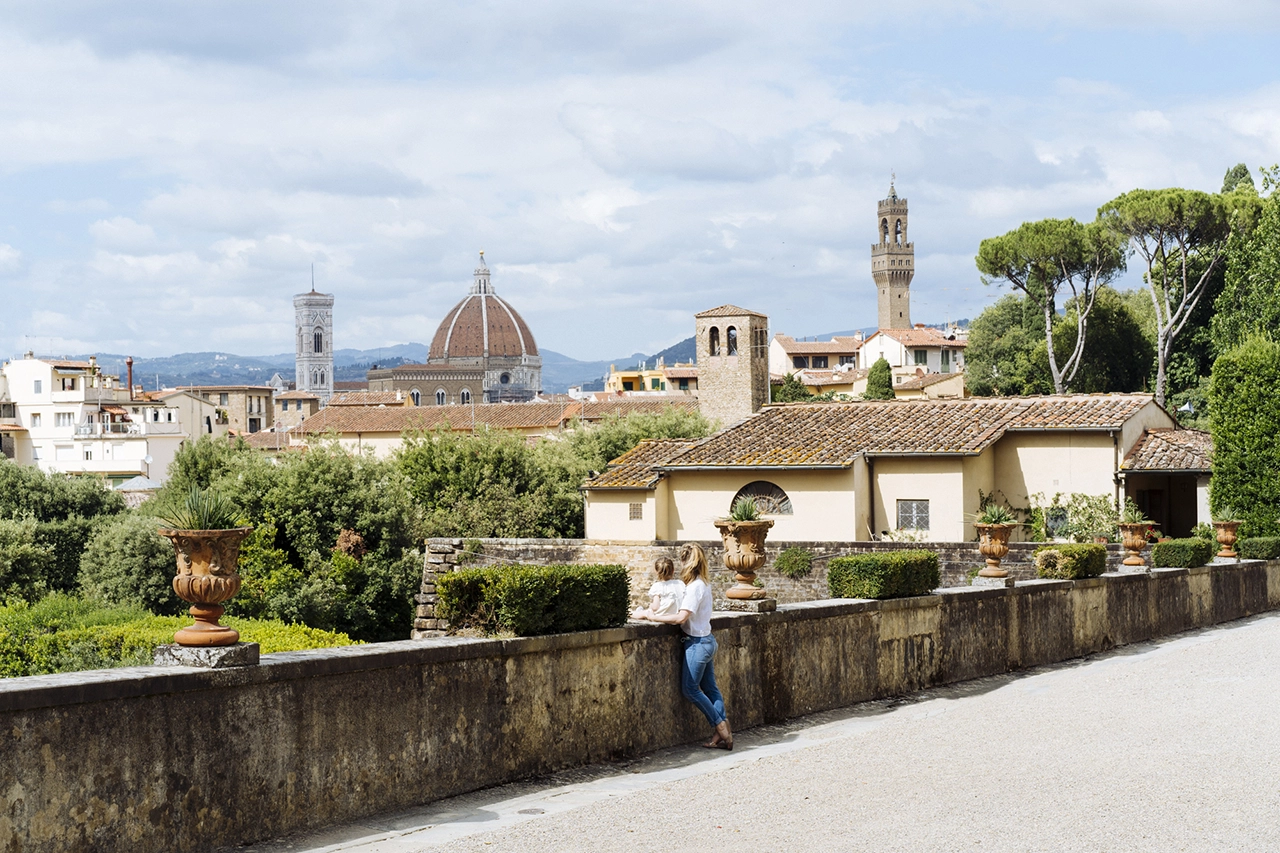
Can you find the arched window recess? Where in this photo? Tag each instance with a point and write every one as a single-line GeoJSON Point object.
{"type": "Point", "coordinates": [770, 499]}
{"type": "Point", "coordinates": [714, 341]}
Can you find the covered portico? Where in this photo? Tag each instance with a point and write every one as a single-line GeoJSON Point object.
{"type": "Point", "coordinates": [1167, 475]}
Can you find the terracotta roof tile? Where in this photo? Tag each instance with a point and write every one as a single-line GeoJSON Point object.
{"type": "Point", "coordinates": [351, 385]}
{"type": "Point", "coordinates": [729, 311]}
{"type": "Point", "coordinates": [297, 395]}
{"type": "Point", "coordinates": [835, 346]}
{"type": "Point", "coordinates": [834, 434]}
{"type": "Point", "coordinates": [809, 376]}
{"type": "Point", "coordinates": [266, 440]}
{"type": "Point", "coordinates": [67, 364]}
{"type": "Point", "coordinates": [12, 428]}
{"type": "Point", "coordinates": [922, 338]}
{"type": "Point", "coordinates": [366, 398]}
{"type": "Point", "coordinates": [680, 372]}
{"type": "Point", "coordinates": [635, 469]}
{"type": "Point", "coordinates": [926, 380]}
{"type": "Point", "coordinates": [1171, 450]}
{"type": "Point", "coordinates": [462, 333]}
{"type": "Point", "coordinates": [623, 406]}
{"type": "Point", "coordinates": [398, 419]}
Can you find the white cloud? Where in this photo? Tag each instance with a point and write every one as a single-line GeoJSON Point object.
{"type": "Point", "coordinates": [10, 259]}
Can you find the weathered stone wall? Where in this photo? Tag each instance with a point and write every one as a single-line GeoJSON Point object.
{"type": "Point", "coordinates": [149, 759]}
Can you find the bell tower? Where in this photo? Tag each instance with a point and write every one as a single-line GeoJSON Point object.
{"type": "Point", "coordinates": [313, 356]}
{"type": "Point", "coordinates": [893, 262]}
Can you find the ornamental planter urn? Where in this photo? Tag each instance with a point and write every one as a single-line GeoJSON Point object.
{"type": "Point", "coordinates": [206, 578]}
{"type": "Point", "coordinates": [993, 543]}
{"type": "Point", "coordinates": [744, 554]}
{"type": "Point", "coordinates": [1226, 533]}
{"type": "Point", "coordinates": [1134, 539]}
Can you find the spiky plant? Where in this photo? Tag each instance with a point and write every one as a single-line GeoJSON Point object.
{"type": "Point", "coordinates": [202, 510]}
{"type": "Point", "coordinates": [745, 509]}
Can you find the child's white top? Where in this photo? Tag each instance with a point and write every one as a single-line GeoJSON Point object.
{"type": "Point", "coordinates": [669, 594]}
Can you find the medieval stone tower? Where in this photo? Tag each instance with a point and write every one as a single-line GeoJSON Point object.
{"type": "Point", "coordinates": [893, 263]}
{"type": "Point", "coordinates": [733, 363]}
{"type": "Point", "coordinates": [313, 357]}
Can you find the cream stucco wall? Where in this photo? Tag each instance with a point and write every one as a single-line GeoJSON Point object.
{"type": "Point", "coordinates": [937, 479]}
{"type": "Point", "coordinates": [1048, 463]}
{"type": "Point", "coordinates": [823, 503]}
{"type": "Point", "coordinates": [608, 514]}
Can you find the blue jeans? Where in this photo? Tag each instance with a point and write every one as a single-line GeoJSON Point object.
{"type": "Point", "coordinates": [698, 677]}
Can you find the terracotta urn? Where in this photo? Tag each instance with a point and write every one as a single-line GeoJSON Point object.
{"type": "Point", "coordinates": [993, 543]}
{"type": "Point", "coordinates": [1226, 531]}
{"type": "Point", "coordinates": [1134, 539]}
{"type": "Point", "coordinates": [206, 577]}
{"type": "Point", "coordinates": [744, 554]}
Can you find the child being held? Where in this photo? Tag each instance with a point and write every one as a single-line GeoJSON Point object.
{"type": "Point", "coordinates": [666, 593]}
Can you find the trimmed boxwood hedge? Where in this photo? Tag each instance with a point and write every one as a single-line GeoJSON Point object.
{"type": "Point", "coordinates": [532, 600]}
{"type": "Point", "coordinates": [895, 574]}
{"type": "Point", "coordinates": [1071, 560]}
{"type": "Point", "coordinates": [1182, 553]}
{"type": "Point", "coordinates": [1259, 548]}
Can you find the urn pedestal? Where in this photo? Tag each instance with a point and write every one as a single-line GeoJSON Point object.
{"type": "Point", "coordinates": [1134, 539]}
{"type": "Point", "coordinates": [744, 554]}
{"type": "Point", "coordinates": [206, 578]}
{"type": "Point", "coordinates": [993, 543]}
{"type": "Point", "coordinates": [1226, 535]}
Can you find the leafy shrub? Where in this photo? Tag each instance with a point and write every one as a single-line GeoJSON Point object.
{"type": "Point", "coordinates": [65, 634]}
{"type": "Point", "coordinates": [28, 491]}
{"type": "Point", "coordinates": [25, 563]}
{"type": "Point", "coordinates": [1204, 530]}
{"type": "Point", "coordinates": [128, 563]}
{"type": "Point", "coordinates": [1245, 419]}
{"type": "Point", "coordinates": [532, 600]}
{"type": "Point", "coordinates": [794, 563]}
{"type": "Point", "coordinates": [66, 539]}
{"type": "Point", "coordinates": [1259, 548]}
{"type": "Point", "coordinates": [1071, 561]}
{"type": "Point", "coordinates": [889, 575]}
{"type": "Point", "coordinates": [879, 381]}
{"type": "Point", "coordinates": [1182, 553]}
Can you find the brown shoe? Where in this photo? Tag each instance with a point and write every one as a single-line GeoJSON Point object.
{"type": "Point", "coordinates": [724, 737]}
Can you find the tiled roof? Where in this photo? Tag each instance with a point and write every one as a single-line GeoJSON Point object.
{"type": "Point", "coordinates": [398, 419]}
{"type": "Point", "coordinates": [809, 376]}
{"type": "Point", "coordinates": [926, 380]}
{"type": "Point", "coordinates": [462, 333]}
{"type": "Point", "coordinates": [834, 434]}
{"type": "Point", "coordinates": [269, 389]}
{"type": "Point", "coordinates": [266, 440]}
{"type": "Point", "coordinates": [366, 398]}
{"type": "Point", "coordinates": [922, 338]}
{"type": "Point", "coordinates": [680, 372]}
{"type": "Point", "coordinates": [729, 311]}
{"type": "Point", "coordinates": [67, 364]}
{"type": "Point", "coordinates": [1171, 450]}
{"type": "Point", "coordinates": [623, 406]}
{"type": "Point", "coordinates": [298, 395]}
{"type": "Point", "coordinates": [351, 385]}
{"type": "Point", "coordinates": [635, 469]}
{"type": "Point", "coordinates": [835, 346]}
{"type": "Point", "coordinates": [12, 428]}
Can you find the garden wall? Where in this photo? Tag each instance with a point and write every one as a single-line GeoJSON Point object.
{"type": "Point", "coordinates": [149, 759]}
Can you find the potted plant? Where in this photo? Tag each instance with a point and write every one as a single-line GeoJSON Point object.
{"type": "Point", "coordinates": [1224, 528]}
{"type": "Point", "coordinates": [994, 525]}
{"type": "Point", "coordinates": [743, 534]}
{"type": "Point", "coordinates": [206, 530]}
{"type": "Point", "coordinates": [1133, 533]}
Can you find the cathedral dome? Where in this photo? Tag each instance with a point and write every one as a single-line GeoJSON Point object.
{"type": "Point", "coordinates": [482, 325]}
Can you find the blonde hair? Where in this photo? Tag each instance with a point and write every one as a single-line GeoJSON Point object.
{"type": "Point", "coordinates": [665, 568]}
{"type": "Point", "coordinates": [693, 564]}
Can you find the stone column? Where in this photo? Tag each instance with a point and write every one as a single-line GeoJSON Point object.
{"type": "Point", "coordinates": [442, 556]}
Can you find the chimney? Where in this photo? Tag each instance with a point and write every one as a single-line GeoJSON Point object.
{"type": "Point", "coordinates": [128, 363]}
{"type": "Point", "coordinates": [920, 325]}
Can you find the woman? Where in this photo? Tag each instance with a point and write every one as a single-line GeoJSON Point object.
{"type": "Point", "coordinates": [697, 676]}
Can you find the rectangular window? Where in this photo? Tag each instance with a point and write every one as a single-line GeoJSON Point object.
{"type": "Point", "coordinates": [63, 419]}
{"type": "Point", "coordinates": [222, 399]}
{"type": "Point", "coordinates": [635, 512]}
{"type": "Point", "coordinates": [35, 419]}
{"type": "Point", "coordinates": [913, 515]}
{"type": "Point", "coordinates": [656, 384]}
{"type": "Point", "coordinates": [848, 359]}
{"type": "Point", "coordinates": [684, 384]}
{"type": "Point", "coordinates": [39, 386]}
{"type": "Point", "coordinates": [819, 361]}
{"type": "Point", "coordinates": [88, 455]}
{"type": "Point", "coordinates": [800, 362]}
{"type": "Point", "coordinates": [946, 361]}
{"type": "Point", "coordinates": [628, 386]}
{"type": "Point", "coordinates": [922, 356]}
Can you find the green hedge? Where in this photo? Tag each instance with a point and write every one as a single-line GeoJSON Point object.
{"type": "Point", "coordinates": [895, 574]}
{"type": "Point", "coordinates": [1182, 553]}
{"type": "Point", "coordinates": [65, 634]}
{"type": "Point", "coordinates": [532, 600]}
{"type": "Point", "coordinates": [1071, 560]}
{"type": "Point", "coordinates": [1259, 548]}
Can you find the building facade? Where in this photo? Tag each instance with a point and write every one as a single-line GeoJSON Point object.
{"type": "Point", "coordinates": [893, 263]}
{"type": "Point", "coordinates": [313, 334]}
{"type": "Point", "coordinates": [244, 408]}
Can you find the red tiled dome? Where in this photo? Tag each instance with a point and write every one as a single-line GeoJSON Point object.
{"type": "Point", "coordinates": [482, 325]}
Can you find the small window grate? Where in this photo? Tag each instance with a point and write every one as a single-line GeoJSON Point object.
{"type": "Point", "coordinates": [913, 515]}
{"type": "Point", "coordinates": [635, 512]}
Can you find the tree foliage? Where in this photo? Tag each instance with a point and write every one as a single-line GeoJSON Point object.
{"type": "Point", "coordinates": [879, 381]}
{"type": "Point", "coordinates": [1245, 420]}
{"type": "Point", "coordinates": [127, 563]}
{"type": "Point", "coordinates": [1049, 259]}
{"type": "Point", "coordinates": [791, 390]}
{"type": "Point", "coordinates": [26, 491]}
{"type": "Point", "coordinates": [1250, 298]}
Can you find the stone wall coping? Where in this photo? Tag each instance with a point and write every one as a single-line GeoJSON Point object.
{"type": "Point", "coordinates": [39, 691]}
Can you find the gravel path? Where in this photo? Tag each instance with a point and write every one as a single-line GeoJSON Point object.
{"type": "Point", "coordinates": [1162, 746]}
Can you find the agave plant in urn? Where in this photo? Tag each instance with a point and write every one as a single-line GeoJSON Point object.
{"type": "Point", "coordinates": [206, 530]}
{"type": "Point", "coordinates": [994, 525]}
{"type": "Point", "coordinates": [743, 533]}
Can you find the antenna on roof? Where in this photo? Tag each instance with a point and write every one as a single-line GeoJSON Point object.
{"type": "Point", "coordinates": [313, 276]}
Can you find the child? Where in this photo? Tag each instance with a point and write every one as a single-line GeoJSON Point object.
{"type": "Point", "coordinates": [666, 592]}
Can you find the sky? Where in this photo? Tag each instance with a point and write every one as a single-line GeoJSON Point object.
{"type": "Point", "coordinates": [170, 173]}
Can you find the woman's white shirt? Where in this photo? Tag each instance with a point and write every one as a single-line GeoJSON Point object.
{"type": "Point", "coordinates": [669, 594]}
{"type": "Point", "coordinates": [697, 600]}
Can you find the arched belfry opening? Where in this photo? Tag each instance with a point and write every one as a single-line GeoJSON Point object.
{"type": "Point", "coordinates": [731, 341]}
{"type": "Point", "coordinates": [897, 232]}
{"type": "Point", "coordinates": [713, 341]}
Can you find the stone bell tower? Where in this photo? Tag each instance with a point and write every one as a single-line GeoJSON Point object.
{"type": "Point", "coordinates": [893, 263]}
{"type": "Point", "coordinates": [313, 356]}
{"type": "Point", "coordinates": [733, 363]}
